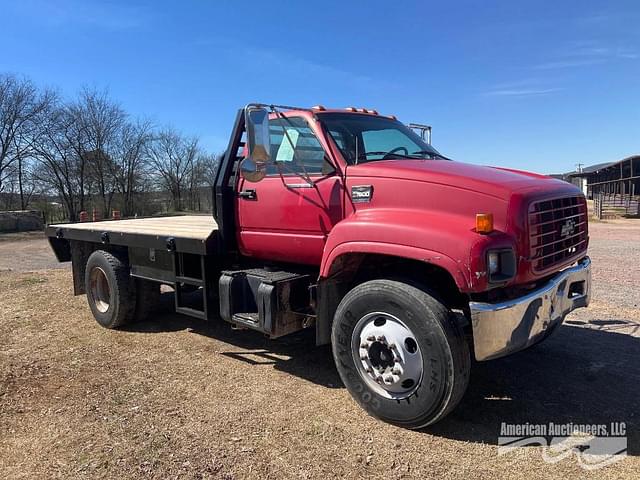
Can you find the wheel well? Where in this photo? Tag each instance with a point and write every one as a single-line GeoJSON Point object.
{"type": "Point", "coordinates": [353, 269]}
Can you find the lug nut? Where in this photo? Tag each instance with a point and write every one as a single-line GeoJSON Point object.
{"type": "Point", "coordinates": [363, 356]}
{"type": "Point", "coordinates": [397, 371]}
{"type": "Point", "coordinates": [388, 380]}
{"type": "Point", "coordinates": [379, 379]}
{"type": "Point", "coordinates": [393, 346]}
{"type": "Point", "coordinates": [364, 345]}
{"type": "Point", "coordinates": [371, 338]}
{"type": "Point", "coordinates": [368, 370]}
{"type": "Point", "coordinates": [381, 338]}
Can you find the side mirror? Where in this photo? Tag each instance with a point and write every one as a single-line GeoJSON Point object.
{"type": "Point", "coordinates": [254, 168]}
{"type": "Point", "coordinates": [258, 142]}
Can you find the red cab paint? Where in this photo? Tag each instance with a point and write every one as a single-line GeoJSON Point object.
{"type": "Point", "coordinates": [422, 209]}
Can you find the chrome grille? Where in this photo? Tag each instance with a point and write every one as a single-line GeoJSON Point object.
{"type": "Point", "coordinates": [557, 231]}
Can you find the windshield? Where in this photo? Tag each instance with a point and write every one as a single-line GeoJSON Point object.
{"type": "Point", "coordinates": [366, 138]}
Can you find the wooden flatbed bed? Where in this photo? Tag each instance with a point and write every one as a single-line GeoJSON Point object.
{"type": "Point", "coordinates": [188, 233]}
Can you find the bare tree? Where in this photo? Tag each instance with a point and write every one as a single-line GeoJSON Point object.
{"type": "Point", "coordinates": [60, 164]}
{"type": "Point", "coordinates": [130, 164]}
{"type": "Point", "coordinates": [100, 122]}
{"type": "Point", "coordinates": [21, 106]}
{"type": "Point", "coordinates": [88, 153]}
{"type": "Point", "coordinates": [210, 162]}
{"type": "Point", "coordinates": [173, 156]}
{"type": "Point", "coordinates": [201, 177]}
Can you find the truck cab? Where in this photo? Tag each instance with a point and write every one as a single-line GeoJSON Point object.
{"type": "Point", "coordinates": [408, 263]}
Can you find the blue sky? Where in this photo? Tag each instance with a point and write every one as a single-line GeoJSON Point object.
{"type": "Point", "coordinates": [540, 87]}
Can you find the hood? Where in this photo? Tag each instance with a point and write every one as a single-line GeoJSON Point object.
{"type": "Point", "coordinates": [498, 182]}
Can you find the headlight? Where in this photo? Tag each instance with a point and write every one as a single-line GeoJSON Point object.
{"type": "Point", "coordinates": [501, 265]}
{"type": "Point", "coordinates": [493, 262]}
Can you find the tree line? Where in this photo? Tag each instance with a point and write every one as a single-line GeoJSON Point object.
{"type": "Point", "coordinates": [64, 156]}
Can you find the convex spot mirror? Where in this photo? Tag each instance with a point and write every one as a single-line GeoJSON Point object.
{"type": "Point", "coordinates": [253, 168]}
{"type": "Point", "coordinates": [252, 171]}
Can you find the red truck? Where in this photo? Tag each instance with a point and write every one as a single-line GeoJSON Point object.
{"type": "Point", "coordinates": [408, 263]}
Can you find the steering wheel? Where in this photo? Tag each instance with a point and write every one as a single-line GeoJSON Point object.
{"type": "Point", "coordinates": [397, 149]}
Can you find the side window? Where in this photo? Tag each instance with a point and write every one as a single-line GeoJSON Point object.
{"type": "Point", "coordinates": [296, 148]}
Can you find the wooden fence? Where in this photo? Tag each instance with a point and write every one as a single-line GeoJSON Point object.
{"type": "Point", "coordinates": [614, 205]}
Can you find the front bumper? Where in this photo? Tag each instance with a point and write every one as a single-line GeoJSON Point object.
{"type": "Point", "coordinates": [503, 328]}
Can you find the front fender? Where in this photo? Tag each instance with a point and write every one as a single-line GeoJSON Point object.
{"type": "Point", "coordinates": [445, 240]}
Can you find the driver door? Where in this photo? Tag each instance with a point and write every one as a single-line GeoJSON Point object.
{"type": "Point", "coordinates": [283, 217]}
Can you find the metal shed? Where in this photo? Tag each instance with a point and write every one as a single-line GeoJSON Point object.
{"type": "Point", "coordinates": [615, 187]}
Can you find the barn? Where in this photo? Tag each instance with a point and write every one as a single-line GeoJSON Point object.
{"type": "Point", "coordinates": [614, 187]}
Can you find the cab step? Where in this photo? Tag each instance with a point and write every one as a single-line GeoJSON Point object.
{"type": "Point", "coordinates": [247, 319]}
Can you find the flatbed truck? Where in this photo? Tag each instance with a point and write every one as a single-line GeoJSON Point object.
{"type": "Point", "coordinates": [349, 222]}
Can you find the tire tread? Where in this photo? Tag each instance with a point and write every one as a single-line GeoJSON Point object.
{"type": "Point", "coordinates": [456, 342]}
{"type": "Point", "coordinates": [123, 294]}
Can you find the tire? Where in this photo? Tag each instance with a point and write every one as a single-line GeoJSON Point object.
{"type": "Point", "coordinates": [147, 298]}
{"type": "Point", "coordinates": [426, 371]}
{"type": "Point", "coordinates": [110, 289]}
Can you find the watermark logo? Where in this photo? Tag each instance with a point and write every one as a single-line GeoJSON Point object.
{"type": "Point", "coordinates": [594, 446]}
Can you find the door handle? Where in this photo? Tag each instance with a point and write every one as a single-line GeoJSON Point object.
{"type": "Point", "coordinates": [248, 194]}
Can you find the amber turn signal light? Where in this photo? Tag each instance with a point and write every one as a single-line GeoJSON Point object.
{"type": "Point", "coordinates": [484, 222]}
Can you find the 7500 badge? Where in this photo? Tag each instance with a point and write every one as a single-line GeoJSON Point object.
{"type": "Point", "coordinates": [361, 193]}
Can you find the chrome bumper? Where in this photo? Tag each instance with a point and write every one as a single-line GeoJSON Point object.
{"type": "Point", "coordinates": [500, 329]}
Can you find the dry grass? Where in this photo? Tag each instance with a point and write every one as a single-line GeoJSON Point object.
{"type": "Point", "coordinates": [176, 398]}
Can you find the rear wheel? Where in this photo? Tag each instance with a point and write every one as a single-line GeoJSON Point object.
{"type": "Point", "coordinates": [110, 289]}
{"type": "Point", "coordinates": [400, 353]}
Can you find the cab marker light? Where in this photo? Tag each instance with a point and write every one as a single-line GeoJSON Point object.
{"type": "Point", "coordinates": [484, 222]}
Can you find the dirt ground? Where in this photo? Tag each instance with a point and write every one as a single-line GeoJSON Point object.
{"type": "Point", "coordinates": [178, 398]}
{"type": "Point", "coordinates": [26, 252]}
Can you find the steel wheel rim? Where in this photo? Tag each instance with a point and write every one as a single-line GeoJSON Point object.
{"type": "Point", "coordinates": [387, 355]}
{"type": "Point", "coordinates": [100, 291]}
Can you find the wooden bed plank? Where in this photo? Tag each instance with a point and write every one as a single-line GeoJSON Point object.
{"type": "Point", "coordinates": [189, 226]}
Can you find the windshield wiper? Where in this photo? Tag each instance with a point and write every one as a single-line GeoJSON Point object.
{"type": "Point", "coordinates": [432, 153]}
{"type": "Point", "coordinates": [364, 155]}
{"type": "Point", "coordinates": [389, 156]}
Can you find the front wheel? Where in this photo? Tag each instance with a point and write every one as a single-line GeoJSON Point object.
{"type": "Point", "coordinates": [400, 353]}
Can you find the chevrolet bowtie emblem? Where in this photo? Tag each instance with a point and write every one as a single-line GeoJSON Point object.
{"type": "Point", "coordinates": [568, 228]}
